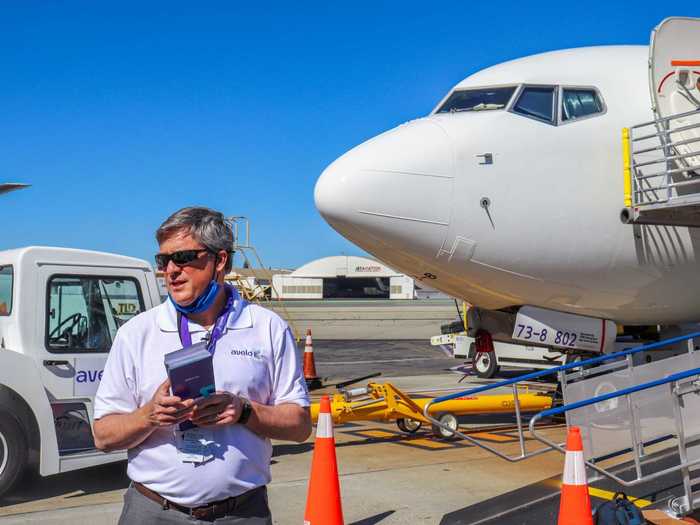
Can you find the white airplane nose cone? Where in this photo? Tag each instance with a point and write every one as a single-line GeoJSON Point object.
{"type": "Point", "coordinates": [398, 181]}
{"type": "Point", "coordinates": [328, 194]}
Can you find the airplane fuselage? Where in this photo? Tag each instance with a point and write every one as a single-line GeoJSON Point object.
{"type": "Point", "coordinates": [503, 210]}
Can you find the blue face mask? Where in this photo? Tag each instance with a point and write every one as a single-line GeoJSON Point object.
{"type": "Point", "coordinates": [202, 303]}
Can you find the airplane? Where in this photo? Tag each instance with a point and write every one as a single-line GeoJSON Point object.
{"type": "Point", "coordinates": [6, 187]}
{"type": "Point", "coordinates": [509, 195]}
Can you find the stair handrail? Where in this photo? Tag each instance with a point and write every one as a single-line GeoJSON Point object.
{"type": "Point", "coordinates": [666, 118]}
{"type": "Point", "coordinates": [638, 185]}
{"type": "Point", "coordinates": [563, 368]}
{"type": "Point", "coordinates": [673, 378]}
{"type": "Point", "coordinates": [535, 375]}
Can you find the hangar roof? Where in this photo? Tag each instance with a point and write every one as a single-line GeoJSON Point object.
{"type": "Point", "coordinates": [345, 266]}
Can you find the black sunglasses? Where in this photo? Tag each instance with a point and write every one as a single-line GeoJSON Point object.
{"type": "Point", "coordinates": [181, 258]}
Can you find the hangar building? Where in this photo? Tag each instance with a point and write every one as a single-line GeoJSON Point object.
{"type": "Point", "coordinates": [343, 277]}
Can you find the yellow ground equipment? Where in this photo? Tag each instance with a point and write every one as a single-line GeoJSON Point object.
{"type": "Point", "coordinates": [385, 402]}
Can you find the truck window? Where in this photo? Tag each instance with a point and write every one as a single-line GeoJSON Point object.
{"type": "Point", "coordinates": [84, 312]}
{"type": "Point", "coordinates": [6, 277]}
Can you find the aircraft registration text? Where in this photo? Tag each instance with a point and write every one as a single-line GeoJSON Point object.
{"type": "Point", "coordinates": [561, 330]}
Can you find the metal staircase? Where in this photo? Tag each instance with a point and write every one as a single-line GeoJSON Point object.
{"type": "Point", "coordinates": [629, 410]}
{"type": "Point", "coordinates": [248, 256]}
{"type": "Point", "coordinates": [662, 171]}
{"type": "Point", "coordinates": [654, 416]}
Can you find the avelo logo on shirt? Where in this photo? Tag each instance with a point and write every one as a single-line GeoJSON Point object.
{"type": "Point", "coordinates": [244, 352]}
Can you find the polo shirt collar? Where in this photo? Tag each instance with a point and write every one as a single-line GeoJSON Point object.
{"type": "Point", "coordinates": [239, 318]}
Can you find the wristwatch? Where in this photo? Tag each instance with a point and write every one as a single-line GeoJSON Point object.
{"type": "Point", "coordinates": [246, 411]}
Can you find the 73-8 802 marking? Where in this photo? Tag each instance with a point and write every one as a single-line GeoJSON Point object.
{"type": "Point", "coordinates": [561, 338]}
{"type": "Point", "coordinates": [529, 333]}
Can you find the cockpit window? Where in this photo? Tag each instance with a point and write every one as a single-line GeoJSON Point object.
{"type": "Point", "coordinates": [477, 99]}
{"type": "Point", "coordinates": [577, 103]}
{"type": "Point", "coordinates": [536, 102]}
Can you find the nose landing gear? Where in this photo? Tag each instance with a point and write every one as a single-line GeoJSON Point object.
{"type": "Point", "coordinates": [484, 361]}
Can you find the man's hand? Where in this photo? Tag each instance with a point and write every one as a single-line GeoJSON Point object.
{"type": "Point", "coordinates": [218, 409]}
{"type": "Point", "coordinates": [166, 410]}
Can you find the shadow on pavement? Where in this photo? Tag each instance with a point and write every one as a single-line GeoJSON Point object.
{"type": "Point", "coordinates": [102, 478]}
{"type": "Point", "coordinates": [291, 449]}
{"type": "Point", "coordinates": [373, 519]}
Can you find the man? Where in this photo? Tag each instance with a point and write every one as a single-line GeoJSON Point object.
{"type": "Point", "coordinates": [216, 471]}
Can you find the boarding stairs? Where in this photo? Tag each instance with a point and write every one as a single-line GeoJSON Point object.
{"type": "Point", "coordinates": [662, 171]}
{"type": "Point", "coordinates": [662, 157]}
{"type": "Point", "coordinates": [629, 410]}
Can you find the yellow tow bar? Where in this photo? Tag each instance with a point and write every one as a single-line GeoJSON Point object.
{"type": "Point", "coordinates": [385, 402]}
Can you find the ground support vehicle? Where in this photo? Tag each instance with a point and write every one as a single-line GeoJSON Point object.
{"type": "Point", "coordinates": [385, 402]}
{"type": "Point", "coordinates": [487, 364]}
{"type": "Point", "coordinates": [59, 312]}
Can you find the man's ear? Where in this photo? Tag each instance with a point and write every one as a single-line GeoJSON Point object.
{"type": "Point", "coordinates": [221, 260]}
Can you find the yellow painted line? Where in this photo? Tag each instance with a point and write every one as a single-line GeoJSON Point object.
{"type": "Point", "coordinates": [492, 437]}
{"type": "Point", "coordinates": [606, 494]}
{"type": "Point", "coordinates": [377, 433]}
{"type": "Point", "coordinates": [404, 439]}
{"type": "Point", "coordinates": [429, 443]}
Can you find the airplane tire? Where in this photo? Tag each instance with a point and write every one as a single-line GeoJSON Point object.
{"type": "Point", "coordinates": [13, 452]}
{"type": "Point", "coordinates": [410, 426]}
{"type": "Point", "coordinates": [485, 365]}
{"type": "Point", "coordinates": [448, 419]}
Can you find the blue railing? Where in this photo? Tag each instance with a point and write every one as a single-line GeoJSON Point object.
{"type": "Point", "coordinates": [618, 393]}
{"type": "Point", "coordinates": [562, 368]}
{"type": "Point", "coordinates": [641, 478]}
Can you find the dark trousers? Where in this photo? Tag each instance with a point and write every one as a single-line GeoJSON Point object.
{"type": "Point", "coordinates": [138, 510]}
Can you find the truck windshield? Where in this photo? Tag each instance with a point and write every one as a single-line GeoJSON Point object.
{"type": "Point", "coordinates": [5, 290]}
{"type": "Point", "coordinates": [477, 99]}
{"type": "Point", "coordinates": [84, 312]}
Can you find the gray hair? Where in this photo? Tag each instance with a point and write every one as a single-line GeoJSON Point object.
{"type": "Point", "coordinates": [205, 225]}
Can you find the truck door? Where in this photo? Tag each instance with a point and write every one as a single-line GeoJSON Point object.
{"type": "Point", "coordinates": [81, 312]}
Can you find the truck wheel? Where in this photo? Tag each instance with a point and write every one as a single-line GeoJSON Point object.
{"type": "Point", "coordinates": [13, 452]}
{"type": "Point", "coordinates": [450, 421]}
{"type": "Point", "coordinates": [410, 426]}
{"type": "Point", "coordinates": [485, 365]}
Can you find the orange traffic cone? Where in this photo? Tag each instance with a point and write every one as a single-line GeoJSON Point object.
{"type": "Point", "coordinates": [575, 505]}
{"type": "Point", "coordinates": [312, 379]}
{"type": "Point", "coordinates": [323, 506]}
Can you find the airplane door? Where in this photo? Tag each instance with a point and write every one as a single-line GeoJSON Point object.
{"type": "Point", "coordinates": [81, 314]}
{"type": "Point", "coordinates": [674, 81]}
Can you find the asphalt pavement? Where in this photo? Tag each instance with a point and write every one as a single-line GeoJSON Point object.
{"type": "Point", "coordinates": [338, 360]}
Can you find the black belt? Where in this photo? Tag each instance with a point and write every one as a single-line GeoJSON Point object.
{"type": "Point", "coordinates": [209, 512]}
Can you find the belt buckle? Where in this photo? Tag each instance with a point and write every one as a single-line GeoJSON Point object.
{"type": "Point", "coordinates": [196, 513]}
{"type": "Point", "coordinates": [207, 513]}
{"type": "Point", "coordinates": [215, 511]}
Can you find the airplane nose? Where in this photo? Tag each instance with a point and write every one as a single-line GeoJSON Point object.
{"type": "Point", "coordinates": [392, 189]}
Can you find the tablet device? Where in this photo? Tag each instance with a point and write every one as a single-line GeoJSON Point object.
{"type": "Point", "coordinates": [191, 374]}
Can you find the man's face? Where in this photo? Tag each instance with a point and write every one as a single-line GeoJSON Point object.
{"type": "Point", "coordinates": [186, 283]}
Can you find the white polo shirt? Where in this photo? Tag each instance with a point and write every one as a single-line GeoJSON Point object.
{"type": "Point", "coordinates": [256, 358]}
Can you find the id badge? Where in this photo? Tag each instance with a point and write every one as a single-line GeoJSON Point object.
{"type": "Point", "coordinates": [193, 446]}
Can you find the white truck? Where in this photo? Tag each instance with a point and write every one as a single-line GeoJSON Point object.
{"type": "Point", "coordinates": [59, 311]}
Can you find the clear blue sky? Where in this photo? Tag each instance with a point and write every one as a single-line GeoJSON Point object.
{"type": "Point", "coordinates": [120, 113]}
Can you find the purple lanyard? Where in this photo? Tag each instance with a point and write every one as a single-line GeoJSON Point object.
{"type": "Point", "coordinates": [216, 333]}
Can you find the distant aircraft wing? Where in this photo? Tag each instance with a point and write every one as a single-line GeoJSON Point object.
{"type": "Point", "coordinates": [7, 187]}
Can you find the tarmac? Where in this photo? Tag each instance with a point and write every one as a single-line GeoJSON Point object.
{"type": "Point", "coordinates": [386, 477]}
{"type": "Point", "coordinates": [368, 319]}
